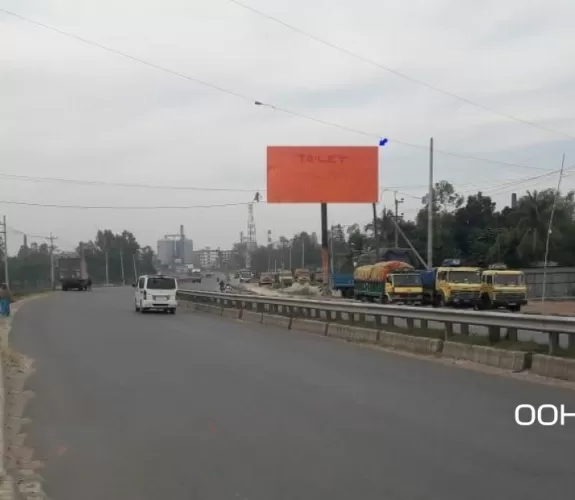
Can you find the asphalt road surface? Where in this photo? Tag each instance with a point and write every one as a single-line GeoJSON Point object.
{"type": "Point", "coordinates": [146, 406]}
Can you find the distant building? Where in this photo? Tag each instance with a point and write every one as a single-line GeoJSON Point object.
{"type": "Point", "coordinates": [171, 251]}
{"type": "Point", "coordinates": [210, 257]}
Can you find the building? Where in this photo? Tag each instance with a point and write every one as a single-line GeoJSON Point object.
{"type": "Point", "coordinates": [172, 250]}
{"type": "Point", "coordinates": [210, 257]}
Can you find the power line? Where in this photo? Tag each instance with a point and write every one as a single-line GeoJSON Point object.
{"type": "Point", "coordinates": [398, 73]}
{"type": "Point", "coordinates": [97, 207]}
{"type": "Point", "coordinates": [254, 101]}
{"type": "Point", "coordinates": [124, 184]}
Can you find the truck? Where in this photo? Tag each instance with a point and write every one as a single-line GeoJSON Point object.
{"type": "Point", "coordinates": [387, 282]}
{"type": "Point", "coordinates": [343, 268]}
{"type": "Point", "coordinates": [452, 284]}
{"type": "Point", "coordinates": [73, 273]}
{"type": "Point", "coordinates": [502, 287]}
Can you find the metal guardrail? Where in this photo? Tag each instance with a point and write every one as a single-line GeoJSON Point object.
{"type": "Point", "coordinates": [330, 310]}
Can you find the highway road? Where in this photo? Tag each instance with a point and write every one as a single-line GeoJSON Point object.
{"type": "Point", "coordinates": [145, 406]}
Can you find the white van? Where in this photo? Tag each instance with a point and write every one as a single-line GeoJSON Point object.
{"type": "Point", "coordinates": [156, 292]}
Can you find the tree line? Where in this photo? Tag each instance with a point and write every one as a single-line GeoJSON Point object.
{"type": "Point", "coordinates": [30, 268]}
{"type": "Point", "coordinates": [469, 228]}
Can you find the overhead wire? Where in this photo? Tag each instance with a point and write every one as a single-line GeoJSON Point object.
{"type": "Point", "coordinates": [124, 184]}
{"type": "Point", "coordinates": [255, 101]}
{"type": "Point", "coordinates": [395, 72]}
{"type": "Point", "coordinates": [120, 207]}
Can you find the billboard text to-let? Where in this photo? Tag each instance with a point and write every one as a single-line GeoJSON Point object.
{"type": "Point", "coordinates": [322, 174]}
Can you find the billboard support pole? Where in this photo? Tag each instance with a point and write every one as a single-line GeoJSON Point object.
{"type": "Point", "coordinates": [324, 249]}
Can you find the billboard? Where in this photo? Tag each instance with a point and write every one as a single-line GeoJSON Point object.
{"type": "Point", "coordinates": [322, 174]}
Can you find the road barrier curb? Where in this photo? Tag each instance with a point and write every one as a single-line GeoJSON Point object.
{"type": "Point", "coordinates": [210, 309]}
{"type": "Point", "coordinates": [231, 313]}
{"type": "Point", "coordinates": [252, 316]}
{"type": "Point", "coordinates": [551, 366]}
{"type": "Point", "coordinates": [352, 333]}
{"type": "Point", "coordinates": [292, 311]}
{"type": "Point", "coordinates": [505, 359]}
{"type": "Point", "coordinates": [309, 325]}
{"type": "Point", "coordinates": [410, 343]}
{"type": "Point", "coordinates": [276, 320]}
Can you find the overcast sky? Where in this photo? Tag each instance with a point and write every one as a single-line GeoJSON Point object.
{"type": "Point", "coordinates": [74, 111]}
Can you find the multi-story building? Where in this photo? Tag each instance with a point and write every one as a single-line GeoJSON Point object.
{"type": "Point", "coordinates": [210, 257]}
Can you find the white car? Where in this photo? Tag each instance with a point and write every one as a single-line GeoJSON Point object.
{"type": "Point", "coordinates": [156, 292]}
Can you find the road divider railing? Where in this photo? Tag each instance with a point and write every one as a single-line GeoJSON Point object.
{"type": "Point", "coordinates": [372, 323]}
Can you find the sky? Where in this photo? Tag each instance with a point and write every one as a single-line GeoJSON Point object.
{"type": "Point", "coordinates": [75, 111]}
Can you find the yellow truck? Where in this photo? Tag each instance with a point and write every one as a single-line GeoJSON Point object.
{"type": "Point", "coordinates": [502, 287]}
{"type": "Point", "coordinates": [452, 285]}
{"type": "Point", "coordinates": [386, 282]}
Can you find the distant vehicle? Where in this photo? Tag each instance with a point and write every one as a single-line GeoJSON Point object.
{"type": "Point", "coordinates": [209, 274]}
{"type": "Point", "coordinates": [196, 276]}
{"type": "Point", "coordinates": [286, 278]}
{"type": "Point", "coordinates": [266, 279]}
{"type": "Point", "coordinates": [73, 273]}
{"type": "Point", "coordinates": [155, 292]}
{"type": "Point", "coordinates": [302, 276]}
{"type": "Point", "coordinates": [246, 277]}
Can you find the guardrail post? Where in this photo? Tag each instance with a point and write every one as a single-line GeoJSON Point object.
{"type": "Point", "coordinates": [464, 328]}
{"type": "Point", "coordinates": [378, 321]}
{"type": "Point", "coordinates": [512, 334]}
{"type": "Point", "coordinates": [448, 330]}
{"type": "Point", "coordinates": [553, 343]}
{"type": "Point", "coordinates": [424, 324]}
{"type": "Point", "coordinates": [410, 323]}
{"type": "Point", "coordinates": [571, 342]}
{"type": "Point", "coordinates": [390, 321]}
{"type": "Point", "coordinates": [494, 334]}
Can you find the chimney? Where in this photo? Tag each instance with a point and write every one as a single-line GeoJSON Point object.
{"type": "Point", "coordinates": [513, 200]}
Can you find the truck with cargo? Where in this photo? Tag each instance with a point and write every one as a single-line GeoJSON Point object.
{"type": "Point", "coordinates": [387, 282]}
{"type": "Point", "coordinates": [342, 278]}
{"type": "Point", "coordinates": [73, 273]}
{"type": "Point", "coordinates": [452, 285]}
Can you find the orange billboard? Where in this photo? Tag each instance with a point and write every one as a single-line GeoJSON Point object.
{"type": "Point", "coordinates": [322, 174]}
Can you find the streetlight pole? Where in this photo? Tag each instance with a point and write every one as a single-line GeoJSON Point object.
{"type": "Point", "coordinates": [397, 203]}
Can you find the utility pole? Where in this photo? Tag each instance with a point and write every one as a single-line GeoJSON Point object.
{"type": "Point", "coordinates": [397, 203]}
{"type": "Point", "coordinates": [122, 265]}
{"type": "Point", "coordinates": [5, 239]}
{"type": "Point", "coordinates": [107, 274]}
{"type": "Point", "coordinates": [375, 233]}
{"type": "Point", "coordinates": [302, 254]}
{"type": "Point", "coordinates": [135, 268]}
{"type": "Point", "coordinates": [430, 209]}
{"type": "Point", "coordinates": [52, 277]}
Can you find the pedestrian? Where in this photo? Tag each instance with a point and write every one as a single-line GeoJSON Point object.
{"type": "Point", "coordinates": [5, 300]}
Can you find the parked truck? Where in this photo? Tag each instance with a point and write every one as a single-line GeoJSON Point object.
{"type": "Point", "coordinates": [386, 282]}
{"type": "Point", "coordinates": [502, 287]}
{"type": "Point", "coordinates": [73, 272]}
{"type": "Point", "coordinates": [452, 285]}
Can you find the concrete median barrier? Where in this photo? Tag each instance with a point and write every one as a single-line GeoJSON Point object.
{"type": "Point", "coordinates": [500, 358]}
{"type": "Point", "coordinates": [410, 343]}
{"type": "Point", "coordinates": [209, 309]}
{"type": "Point", "coordinates": [228, 312]}
{"type": "Point", "coordinates": [352, 333]}
{"type": "Point", "coordinates": [551, 366]}
{"type": "Point", "coordinates": [308, 325]}
{"type": "Point", "coordinates": [276, 320]}
{"type": "Point", "coordinates": [252, 316]}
